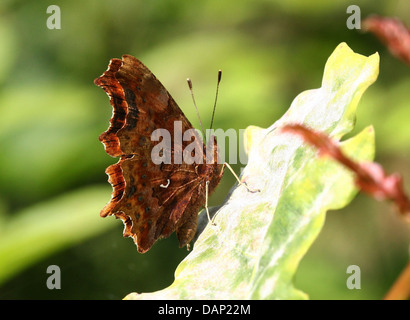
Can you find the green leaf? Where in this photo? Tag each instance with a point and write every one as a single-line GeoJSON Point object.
{"type": "Point", "coordinates": [259, 238]}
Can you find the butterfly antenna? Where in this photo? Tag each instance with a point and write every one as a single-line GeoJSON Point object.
{"type": "Point", "coordinates": [216, 96]}
{"type": "Point", "coordinates": [196, 108]}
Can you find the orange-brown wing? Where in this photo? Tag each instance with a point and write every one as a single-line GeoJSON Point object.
{"type": "Point", "coordinates": [152, 200]}
{"type": "Point", "coordinates": [116, 94]}
{"type": "Point", "coordinates": [149, 106]}
{"type": "Point", "coordinates": [150, 205]}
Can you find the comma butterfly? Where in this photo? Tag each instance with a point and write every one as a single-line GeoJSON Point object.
{"type": "Point", "coordinates": [153, 200]}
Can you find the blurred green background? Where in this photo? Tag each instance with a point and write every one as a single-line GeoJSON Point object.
{"type": "Point", "coordinates": [52, 176]}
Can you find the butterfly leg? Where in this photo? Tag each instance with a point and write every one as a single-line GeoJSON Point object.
{"type": "Point", "coordinates": [237, 178]}
{"type": "Point", "coordinates": [206, 204]}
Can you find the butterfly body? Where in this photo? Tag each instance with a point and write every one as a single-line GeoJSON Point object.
{"type": "Point", "coordinates": [152, 199]}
